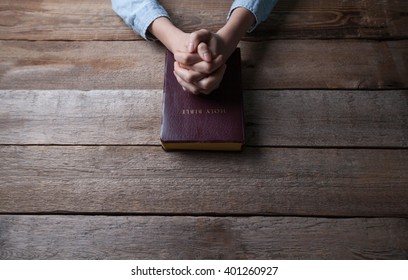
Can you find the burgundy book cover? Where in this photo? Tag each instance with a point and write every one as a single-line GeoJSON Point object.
{"type": "Point", "coordinates": [203, 122]}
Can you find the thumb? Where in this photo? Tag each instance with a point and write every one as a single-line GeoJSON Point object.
{"type": "Point", "coordinates": [204, 52]}
{"type": "Point", "coordinates": [202, 35]}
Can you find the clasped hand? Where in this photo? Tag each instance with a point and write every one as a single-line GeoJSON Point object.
{"type": "Point", "coordinates": [200, 62]}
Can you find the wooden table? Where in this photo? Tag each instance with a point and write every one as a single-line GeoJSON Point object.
{"type": "Point", "coordinates": [324, 174]}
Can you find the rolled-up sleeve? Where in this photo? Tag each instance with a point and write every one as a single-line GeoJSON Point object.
{"type": "Point", "coordinates": [260, 8]}
{"type": "Point", "coordinates": [139, 14]}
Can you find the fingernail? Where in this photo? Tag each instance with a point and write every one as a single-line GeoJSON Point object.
{"type": "Point", "coordinates": [207, 56]}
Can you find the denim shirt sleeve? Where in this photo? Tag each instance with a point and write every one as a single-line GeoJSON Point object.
{"type": "Point", "coordinates": [260, 8]}
{"type": "Point", "coordinates": [139, 14]}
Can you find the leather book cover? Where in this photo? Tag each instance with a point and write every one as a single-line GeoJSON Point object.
{"type": "Point", "coordinates": [203, 122]}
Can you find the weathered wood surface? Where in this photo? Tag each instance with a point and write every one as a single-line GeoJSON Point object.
{"type": "Point", "coordinates": [273, 118]}
{"type": "Point", "coordinates": [327, 118]}
{"type": "Point", "coordinates": [125, 179]}
{"type": "Point", "coordinates": [94, 237]}
{"type": "Point", "coordinates": [91, 147]}
{"type": "Point", "coordinates": [292, 64]}
{"type": "Point", "coordinates": [123, 117]}
{"type": "Point", "coordinates": [307, 19]}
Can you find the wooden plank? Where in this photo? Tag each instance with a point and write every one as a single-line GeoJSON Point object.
{"type": "Point", "coordinates": [95, 237]}
{"type": "Point", "coordinates": [80, 65]}
{"type": "Point", "coordinates": [327, 118]}
{"type": "Point", "coordinates": [399, 54]}
{"type": "Point", "coordinates": [293, 64]}
{"type": "Point", "coordinates": [324, 64]}
{"type": "Point", "coordinates": [62, 20]}
{"type": "Point", "coordinates": [273, 118]}
{"type": "Point", "coordinates": [123, 117]}
{"type": "Point", "coordinates": [354, 19]}
{"type": "Point", "coordinates": [124, 179]}
{"type": "Point", "coordinates": [307, 19]}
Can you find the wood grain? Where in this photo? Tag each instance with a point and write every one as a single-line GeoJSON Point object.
{"type": "Point", "coordinates": [324, 176]}
{"type": "Point", "coordinates": [61, 20]}
{"type": "Point", "coordinates": [81, 65]}
{"type": "Point", "coordinates": [325, 64]}
{"type": "Point", "coordinates": [292, 64]}
{"type": "Point", "coordinates": [131, 179]}
{"type": "Point", "coordinates": [306, 19]}
{"type": "Point", "coordinates": [327, 118]}
{"type": "Point", "coordinates": [124, 117]}
{"type": "Point", "coordinates": [95, 237]}
{"type": "Point", "coordinates": [313, 19]}
{"type": "Point", "coordinates": [273, 118]}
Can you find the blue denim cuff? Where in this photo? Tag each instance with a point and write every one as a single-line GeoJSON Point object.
{"type": "Point", "coordinates": [259, 8]}
{"type": "Point", "coordinates": [139, 14]}
{"type": "Point", "coordinates": [141, 25]}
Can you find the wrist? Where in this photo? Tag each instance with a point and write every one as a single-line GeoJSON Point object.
{"type": "Point", "coordinates": [232, 32]}
{"type": "Point", "coordinates": [168, 34]}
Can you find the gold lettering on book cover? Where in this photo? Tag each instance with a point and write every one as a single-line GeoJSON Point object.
{"type": "Point", "coordinates": [192, 111]}
{"type": "Point", "coordinates": [216, 111]}
{"type": "Point", "coordinates": [211, 111]}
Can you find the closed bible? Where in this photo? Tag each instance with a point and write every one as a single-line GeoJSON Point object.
{"type": "Point", "coordinates": [203, 122]}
